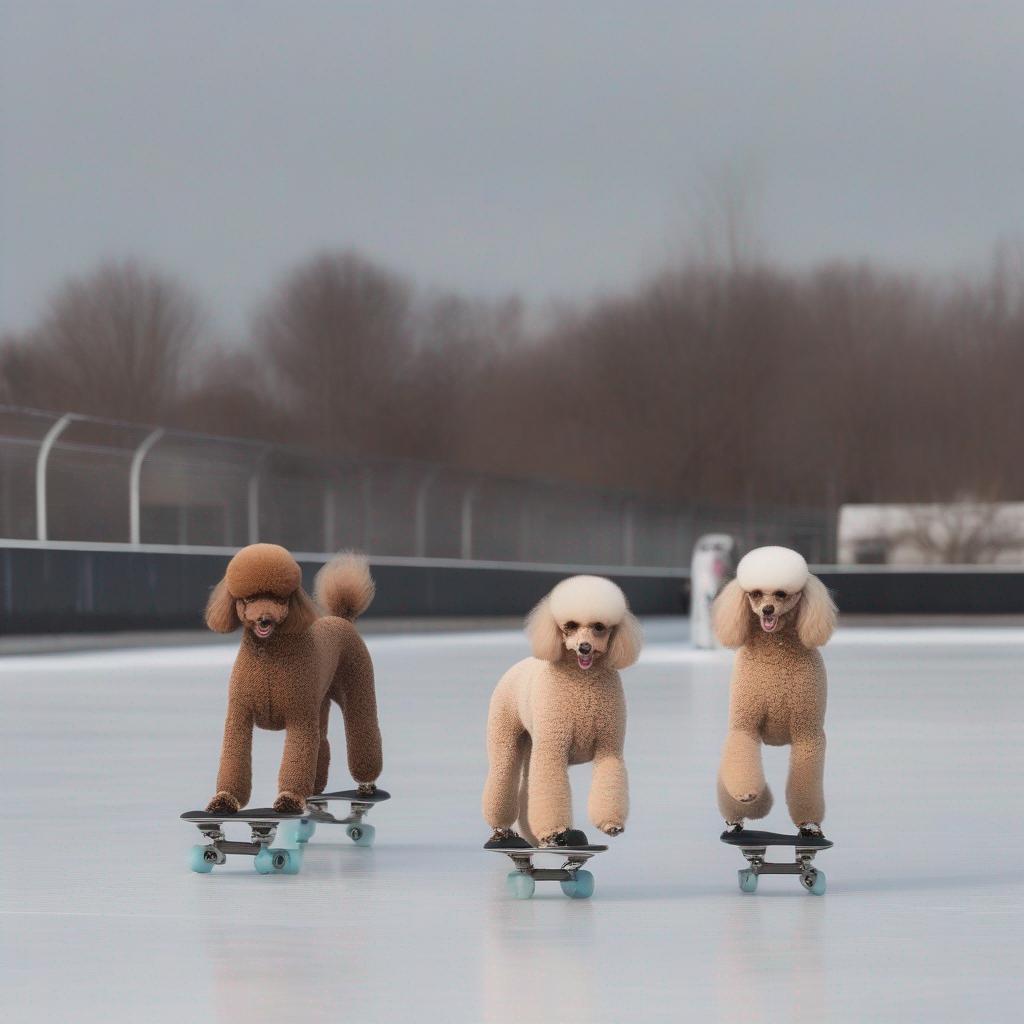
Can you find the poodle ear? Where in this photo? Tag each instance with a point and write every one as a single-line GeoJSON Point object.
{"type": "Point", "coordinates": [543, 633]}
{"type": "Point", "coordinates": [221, 616]}
{"type": "Point", "coordinates": [626, 642]}
{"type": "Point", "coordinates": [302, 613]}
{"type": "Point", "coordinates": [731, 616]}
{"type": "Point", "coordinates": [816, 618]}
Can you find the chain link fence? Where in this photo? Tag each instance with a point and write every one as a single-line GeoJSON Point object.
{"type": "Point", "coordinates": [82, 479]}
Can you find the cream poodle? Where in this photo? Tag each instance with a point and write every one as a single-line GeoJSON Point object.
{"type": "Point", "coordinates": [563, 706]}
{"type": "Point", "coordinates": [778, 615]}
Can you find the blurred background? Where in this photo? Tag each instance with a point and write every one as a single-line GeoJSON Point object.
{"type": "Point", "coordinates": [514, 290]}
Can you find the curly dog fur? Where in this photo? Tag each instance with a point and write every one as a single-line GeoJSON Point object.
{"type": "Point", "coordinates": [778, 615]}
{"type": "Point", "coordinates": [291, 664]}
{"type": "Point", "coordinates": [563, 706]}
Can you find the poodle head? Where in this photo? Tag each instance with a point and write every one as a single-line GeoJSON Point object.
{"type": "Point", "coordinates": [773, 590]}
{"type": "Point", "coordinates": [583, 620]}
{"type": "Point", "coordinates": [262, 591]}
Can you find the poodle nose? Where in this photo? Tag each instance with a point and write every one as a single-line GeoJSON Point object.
{"type": "Point", "coordinates": [768, 609]}
{"type": "Point", "coordinates": [264, 620]}
{"type": "Point", "coordinates": [584, 648]}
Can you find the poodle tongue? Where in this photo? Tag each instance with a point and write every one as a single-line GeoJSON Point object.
{"type": "Point", "coordinates": [263, 631]}
{"type": "Point", "coordinates": [585, 660]}
{"type": "Point", "coordinates": [769, 622]}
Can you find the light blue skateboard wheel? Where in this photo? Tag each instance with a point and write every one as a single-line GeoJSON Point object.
{"type": "Point", "coordinates": [581, 887]}
{"type": "Point", "coordinates": [748, 880]}
{"type": "Point", "coordinates": [361, 835]}
{"type": "Point", "coordinates": [288, 862]}
{"type": "Point", "coordinates": [263, 862]}
{"type": "Point", "coordinates": [306, 830]}
{"type": "Point", "coordinates": [814, 883]}
{"type": "Point", "coordinates": [519, 885]}
{"type": "Point", "coordinates": [288, 835]}
{"type": "Point", "coordinates": [197, 860]}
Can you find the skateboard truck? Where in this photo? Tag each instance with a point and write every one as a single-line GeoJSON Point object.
{"type": "Point", "coordinates": [360, 804]}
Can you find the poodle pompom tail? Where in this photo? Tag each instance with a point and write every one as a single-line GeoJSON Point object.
{"type": "Point", "coordinates": [344, 586]}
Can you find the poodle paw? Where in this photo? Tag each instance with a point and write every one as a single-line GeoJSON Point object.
{"type": "Point", "coordinates": [567, 837]}
{"type": "Point", "coordinates": [811, 829]}
{"type": "Point", "coordinates": [506, 838]}
{"type": "Point", "coordinates": [289, 803]}
{"type": "Point", "coordinates": [366, 788]}
{"type": "Point", "coordinates": [612, 828]}
{"type": "Point", "coordinates": [223, 803]}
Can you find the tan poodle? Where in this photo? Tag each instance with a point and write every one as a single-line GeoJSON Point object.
{"type": "Point", "coordinates": [292, 663]}
{"type": "Point", "coordinates": [778, 615]}
{"type": "Point", "coordinates": [563, 706]}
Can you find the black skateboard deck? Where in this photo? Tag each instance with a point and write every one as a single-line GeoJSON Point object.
{"type": "Point", "coordinates": [354, 796]}
{"type": "Point", "coordinates": [250, 815]}
{"type": "Point", "coordinates": [745, 837]}
{"type": "Point", "coordinates": [360, 804]}
{"type": "Point", "coordinates": [754, 845]}
{"type": "Point", "coordinates": [577, 883]}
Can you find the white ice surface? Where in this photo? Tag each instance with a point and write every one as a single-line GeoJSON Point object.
{"type": "Point", "coordinates": [923, 920]}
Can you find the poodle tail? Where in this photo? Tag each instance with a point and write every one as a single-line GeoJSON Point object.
{"type": "Point", "coordinates": [344, 586]}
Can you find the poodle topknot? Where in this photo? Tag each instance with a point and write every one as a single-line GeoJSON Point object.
{"type": "Point", "coordinates": [587, 599]}
{"type": "Point", "coordinates": [772, 568]}
{"type": "Point", "coordinates": [263, 569]}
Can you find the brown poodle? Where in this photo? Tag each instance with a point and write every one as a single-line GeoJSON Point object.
{"type": "Point", "coordinates": [778, 615]}
{"type": "Point", "coordinates": [563, 706]}
{"type": "Point", "coordinates": [292, 663]}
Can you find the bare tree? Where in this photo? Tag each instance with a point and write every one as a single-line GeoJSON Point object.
{"type": "Point", "coordinates": [336, 337]}
{"type": "Point", "coordinates": [963, 532]}
{"type": "Point", "coordinates": [117, 342]}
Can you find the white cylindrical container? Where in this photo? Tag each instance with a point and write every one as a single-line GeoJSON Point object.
{"type": "Point", "coordinates": [713, 563]}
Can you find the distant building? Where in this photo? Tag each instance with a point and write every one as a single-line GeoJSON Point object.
{"type": "Point", "coordinates": [958, 533]}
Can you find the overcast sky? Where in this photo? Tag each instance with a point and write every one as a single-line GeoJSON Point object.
{"type": "Point", "coordinates": [551, 149]}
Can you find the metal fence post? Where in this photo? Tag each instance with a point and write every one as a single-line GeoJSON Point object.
{"type": "Point", "coordinates": [329, 516]}
{"type": "Point", "coordinates": [134, 477]}
{"type": "Point", "coordinates": [628, 534]}
{"type": "Point", "coordinates": [468, 497]}
{"type": "Point", "coordinates": [421, 513]}
{"type": "Point", "coordinates": [41, 459]}
{"type": "Point", "coordinates": [253, 498]}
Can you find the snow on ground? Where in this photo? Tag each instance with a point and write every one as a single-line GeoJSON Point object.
{"type": "Point", "coordinates": [923, 920]}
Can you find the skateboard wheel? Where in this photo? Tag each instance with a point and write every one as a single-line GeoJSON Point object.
{"type": "Point", "coordinates": [361, 835]}
{"type": "Point", "coordinates": [197, 859]}
{"type": "Point", "coordinates": [814, 882]}
{"type": "Point", "coordinates": [288, 862]}
{"type": "Point", "coordinates": [581, 887]}
{"type": "Point", "coordinates": [520, 885]}
{"type": "Point", "coordinates": [306, 830]}
{"type": "Point", "coordinates": [748, 880]}
{"type": "Point", "coordinates": [263, 862]}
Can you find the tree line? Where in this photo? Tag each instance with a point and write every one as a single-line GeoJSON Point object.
{"type": "Point", "coordinates": [736, 382]}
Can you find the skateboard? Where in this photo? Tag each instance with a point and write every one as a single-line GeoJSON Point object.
{"type": "Point", "coordinates": [274, 844]}
{"type": "Point", "coordinates": [360, 804]}
{"type": "Point", "coordinates": [577, 883]}
{"type": "Point", "coordinates": [754, 845]}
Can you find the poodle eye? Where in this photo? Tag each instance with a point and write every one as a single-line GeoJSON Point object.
{"type": "Point", "coordinates": [598, 627]}
{"type": "Point", "coordinates": [780, 594]}
{"type": "Point", "coordinates": [756, 595]}
{"type": "Point", "coordinates": [571, 627]}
